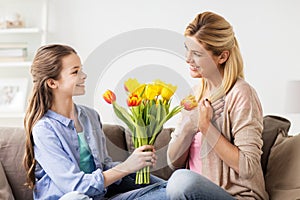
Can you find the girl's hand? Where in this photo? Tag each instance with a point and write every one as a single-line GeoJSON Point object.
{"type": "Point", "coordinates": [140, 157]}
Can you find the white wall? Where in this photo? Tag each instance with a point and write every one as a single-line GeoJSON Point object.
{"type": "Point", "coordinates": [268, 32]}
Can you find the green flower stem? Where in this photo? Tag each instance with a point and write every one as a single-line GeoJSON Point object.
{"type": "Point", "coordinates": [143, 176]}
{"type": "Point", "coordinates": [145, 122]}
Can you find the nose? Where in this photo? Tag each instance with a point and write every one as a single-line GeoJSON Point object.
{"type": "Point", "coordinates": [82, 75]}
{"type": "Point", "coordinates": [188, 57]}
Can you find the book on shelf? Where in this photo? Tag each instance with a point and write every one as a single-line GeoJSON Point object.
{"type": "Point", "coordinates": [13, 52]}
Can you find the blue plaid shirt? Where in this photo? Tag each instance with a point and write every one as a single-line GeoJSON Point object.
{"type": "Point", "coordinates": [56, 150]}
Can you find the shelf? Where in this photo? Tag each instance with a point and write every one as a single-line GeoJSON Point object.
{"type": "Point", "coordinates": [33, 36]}
{"type": "Point", "coordinates": [12, 115]}
{"type": "Point", "coordinates": [20, 30]}
{"type": "Point", "coordinates": [15, 64]}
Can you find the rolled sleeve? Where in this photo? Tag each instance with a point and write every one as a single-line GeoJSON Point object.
{"type": "Point", "coordinates": [249, 144]}
{"type": "Point", "coordinates": [247, 131]}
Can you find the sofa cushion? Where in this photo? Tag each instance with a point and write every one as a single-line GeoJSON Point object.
{"type": "Point", "coordinates": [282, 177]}
{"type": "Point", "coordinates": [5, 190]}
{"type": "Point", "coordinates": [115, 142]}
{"type": "Point", "coordinates": [12, 143]}
{"type": "Point", "coordinates": [273, 125]}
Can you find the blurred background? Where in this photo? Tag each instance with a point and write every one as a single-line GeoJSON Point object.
{"type": "Point", "coordinates": [268, 34]}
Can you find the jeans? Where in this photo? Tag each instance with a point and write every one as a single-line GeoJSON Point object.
{"type": "Point", "coordinates": [128, 190]}
{"type": "Point", "coordinates": [186, 184]}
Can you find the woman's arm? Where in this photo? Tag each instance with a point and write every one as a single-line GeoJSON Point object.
{"type": "Point", "coordinates": [243, 153]}
{"type": "Point", "coordinates": [178, 151]}
{"type": "Point", "coordinates": [228, 152]}
{"type": "Point", "coordinates": [182, 138]}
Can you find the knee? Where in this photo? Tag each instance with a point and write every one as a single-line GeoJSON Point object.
{"type": "Point", "coordinates": [181, 182]}
{"type": "Point", "coordinates": [74, 196]}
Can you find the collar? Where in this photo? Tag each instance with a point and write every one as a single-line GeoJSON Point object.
{"type": "Point", "coordinates": [60, 118]}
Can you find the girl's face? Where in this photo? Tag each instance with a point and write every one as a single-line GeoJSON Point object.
{"type": "Point", "coordinates": [203, 64]}
{"type": "Point", "coordinates": [72, 78]}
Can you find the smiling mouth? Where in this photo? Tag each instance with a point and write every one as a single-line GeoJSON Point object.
{"type": "Point", "coordinates": [194, 68]}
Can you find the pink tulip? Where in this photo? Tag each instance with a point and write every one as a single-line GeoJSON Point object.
{"type": "Point", "coordinates": [189, 102]}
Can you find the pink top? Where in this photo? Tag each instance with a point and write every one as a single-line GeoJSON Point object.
{"type": "Point", "coordinates": [195, 163]}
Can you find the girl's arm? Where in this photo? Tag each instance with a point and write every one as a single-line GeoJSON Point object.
{"type": "Point", "coordinates": [140, 158]}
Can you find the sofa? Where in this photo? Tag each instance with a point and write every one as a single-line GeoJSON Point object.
{"type": "Point", "coordinates": [280, 161]}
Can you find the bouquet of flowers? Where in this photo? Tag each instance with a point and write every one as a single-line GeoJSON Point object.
{"type": "Point", "coordinates": [149, 110]}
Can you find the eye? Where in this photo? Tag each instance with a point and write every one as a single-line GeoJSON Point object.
{"type": "Point", "coordinates": [185, 47]}
{"type": "Point", "coordinates": [197, 53]}
{"type": "Point", "coordinates": [75, 72]}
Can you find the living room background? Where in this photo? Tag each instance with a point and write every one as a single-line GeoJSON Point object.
{"type": "Point", "coordinates": [267, 31]}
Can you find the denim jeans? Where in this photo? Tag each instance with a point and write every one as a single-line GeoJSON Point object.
{"type": "Point", "coordinates": [186, 184]}
{"type": "Point", "coordinates": [128, 190]}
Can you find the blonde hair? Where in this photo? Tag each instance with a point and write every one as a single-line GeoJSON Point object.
{"type": "Point", "coordinates": [216, 35]}
{"type": "Point", "coordinates": [47, 64]}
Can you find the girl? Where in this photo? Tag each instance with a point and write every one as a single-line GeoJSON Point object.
{"type": "Point", "coordinates": [65, 144]}
{"type": "Point", "coordinates": [222, 152]}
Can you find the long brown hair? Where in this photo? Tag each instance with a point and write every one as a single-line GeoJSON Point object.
{"type": "Point", "coordinates": [47, 64]}
{"type": "Point", "coordinates": [216, 35]}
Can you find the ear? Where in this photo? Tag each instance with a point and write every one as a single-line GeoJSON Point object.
{"type": "Point", "coordinates": [51, 83]}
{"type": "Point", "coordinates": [223, 57]}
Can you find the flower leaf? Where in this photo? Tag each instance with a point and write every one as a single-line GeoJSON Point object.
{"type": "Point", "coordinates": [123, 115]}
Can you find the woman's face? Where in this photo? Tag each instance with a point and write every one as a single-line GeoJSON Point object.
{"type": "Point", "coordinates": [72, 78]}
{"type": "Point", "coordinates": [202, 63]}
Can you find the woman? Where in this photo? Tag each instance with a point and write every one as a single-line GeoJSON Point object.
{"type": "Point", "coordinates": [66, 155]}
{"type": "Point", "coordinates": [220, 141]}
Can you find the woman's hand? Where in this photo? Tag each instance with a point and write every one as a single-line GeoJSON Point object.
{"type": "Point", "coordinates": [209, 112]}
{"type": "Point", "coordinates": [205, 116]}
{"type": "Point", "coordinates": [140, 157]}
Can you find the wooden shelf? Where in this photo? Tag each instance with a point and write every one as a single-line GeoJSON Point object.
{"type": "Point", "coordinates": [20, 30]}
{"type": "Point", "coordinates": [34, 36]}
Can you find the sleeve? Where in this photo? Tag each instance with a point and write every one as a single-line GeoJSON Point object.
{"type": "Point", "coordinates": [108, 162]}
{"type": "Point", "coordinates": [60, 165]}
{"type": "Point", "coordinates": [247, 125]}
{"type": "Point", "coordinates": [188, 120]}
{"type": "Point", "coordinates": [186, 127]}
{"type": "Point", "coordinates": [188, 124]}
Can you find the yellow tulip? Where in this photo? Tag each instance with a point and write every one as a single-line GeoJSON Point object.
{"type": "Point", "coordinates": [159, 84]}
{"type": "Point", "coordinates": [168, 91]}
{"type": "Point", "coordinates": [140, 90]}
{"type": "Point", "coordinates": [131, 85]}
{"type": "Point", "coordinates": [151, 92]}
